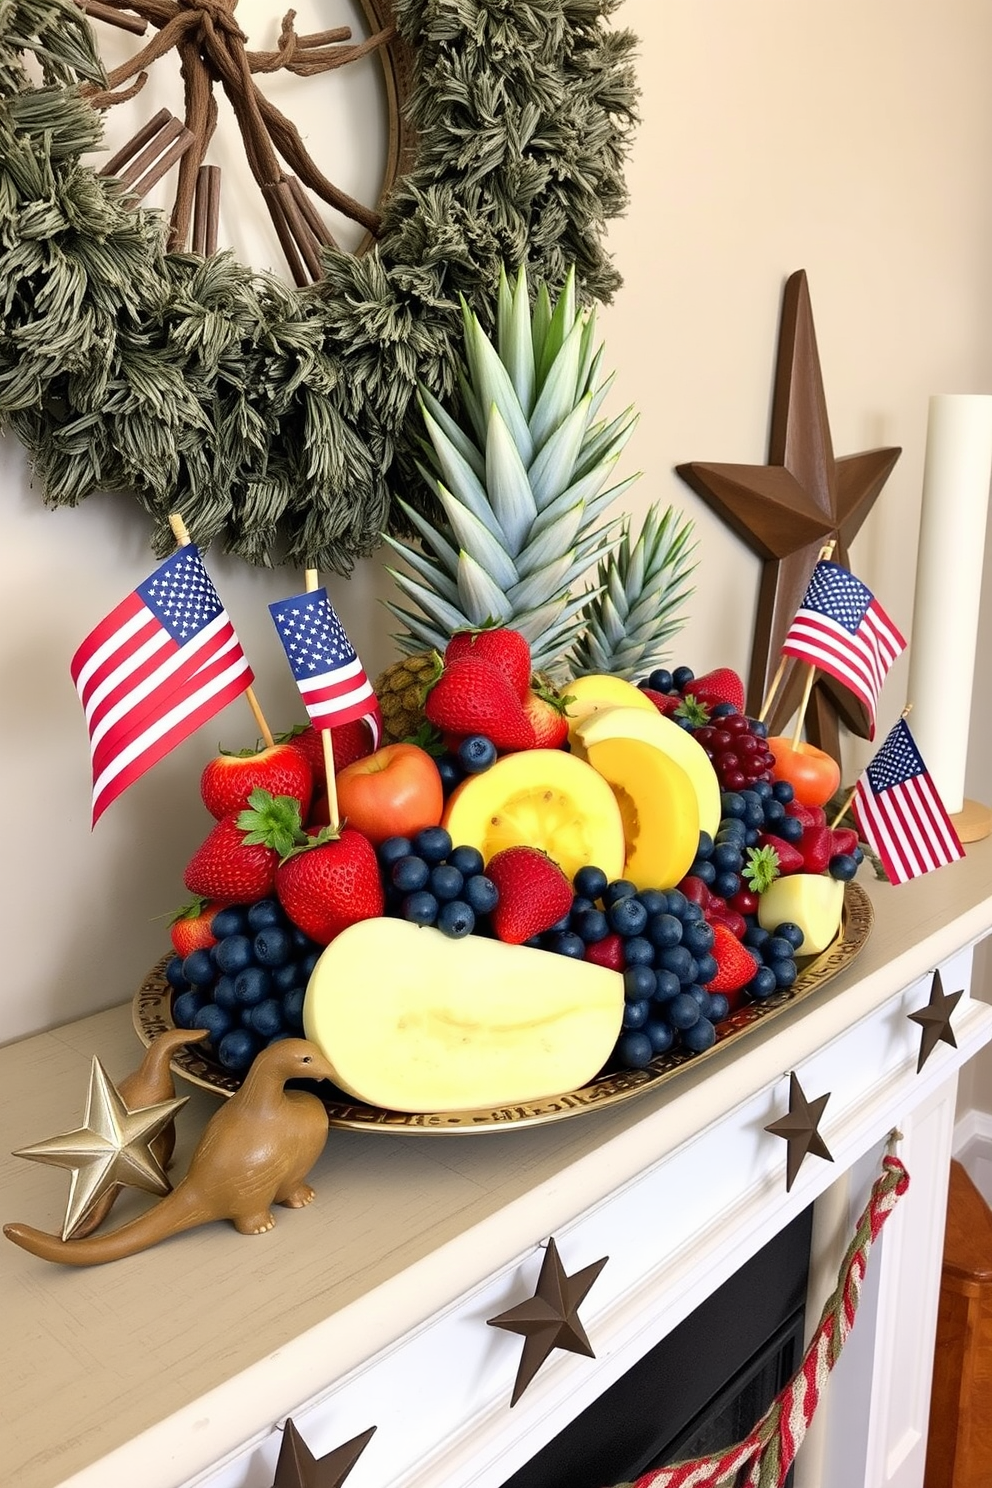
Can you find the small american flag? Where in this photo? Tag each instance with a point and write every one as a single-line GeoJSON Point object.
{"type": "Point", "coordinates": [157, 667]}
{"type": "Point", "coordinates": [330, 677]}
{"type": "Point", "coordinates": [900, 812]}
{"type": "Point", "coordinates": [841, 628]}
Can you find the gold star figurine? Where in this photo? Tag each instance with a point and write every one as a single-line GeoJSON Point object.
{"type": "Point", "coordinates": [111, 1148]}
{"type": "Point", "coordinates": [297, 1467]}
{"type": "Point", "coordinates": [550, 1318]}
{"type": "Point", "coordinates": [935, 1020]}
{"type": "Point", "coordinates": [799, 1129]}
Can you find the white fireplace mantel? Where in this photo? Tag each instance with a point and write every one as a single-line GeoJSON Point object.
{"type": "Point", "coordinates": [177, 1367]}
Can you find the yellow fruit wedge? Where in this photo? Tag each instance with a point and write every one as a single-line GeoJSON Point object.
{"type": "Point", "coordinates": [541, 798]}
{"type": "Point", "coordinates": [412, 1020]}
{"type": "Point", "coordinates": [659, 809]}
{"type": "Point", "coordinates": [813, 901]}
{"type": "Point", "coordinates": [653, 728]}
{"type": "Point", "coordinates": [593, 693]}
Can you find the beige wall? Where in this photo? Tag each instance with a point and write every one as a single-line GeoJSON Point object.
{"type": "Point", "coordinates": [848, 138]}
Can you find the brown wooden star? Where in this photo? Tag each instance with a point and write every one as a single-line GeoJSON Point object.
{"type": "Point", "coordinates": [799, 1129]}
{"type": "Point", "coordinates": [297, 1467]}
{"type": "Point", "coordinates": [549, 1319]}
{"type": "Point", "coordinates": [786, 510]}
{"type": "Point", "coordinates": [935, 1020]}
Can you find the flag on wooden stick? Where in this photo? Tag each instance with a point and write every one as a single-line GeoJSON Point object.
{"type": "Point", "coordinates": [162, 663]}
{"type": "Point", "coordinates": [900, 812]}
{"type": "Point", "coordinates": [841, 628]}
{"type": "Point", "coordinates": [330, 677]}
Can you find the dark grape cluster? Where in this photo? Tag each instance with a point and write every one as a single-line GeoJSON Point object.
{"type": "Point", "coordinates": [247, 991]}
{"type": "Point", "coordinates": [430, 881]}
{"type": "Point", "coordinates": [737, 747]}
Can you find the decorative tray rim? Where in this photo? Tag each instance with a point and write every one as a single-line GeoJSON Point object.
{"type": "Point", "coordinates": [152, 1014]}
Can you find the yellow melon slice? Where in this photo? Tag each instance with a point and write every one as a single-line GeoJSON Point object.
{"type": "Point", "coordinates": [412, 1020]}
{"type": "Point", "coordinates": [813, 901]}
{"type": "Point", "coordinates": [659, 809]}
{"type": "Point", "coordinates": [591, 694]}
{"type": "Point", "coordinates": [541, 798]}
{"type": "Point", "coordinates": [653, 728]}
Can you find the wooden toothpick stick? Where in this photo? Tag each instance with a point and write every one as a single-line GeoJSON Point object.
{"type": "Point", "coordinates": [326, 738]}
{"type": "Point", "coordinates": [182, 537]}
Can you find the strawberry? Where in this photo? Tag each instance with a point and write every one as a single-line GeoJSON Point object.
{"type": "Point", "coordinates": [189, 928]}
{"type": "Point", "coordinates": [607, 952]}
{"type": "Point", "coordinates": [720, 686]}
{"type": "Point", "coordinates": [810, 816]}
{"type": "Point", "coordinates": [845, 840]}
{"type": "Point", "coordinates": [790, 859]}
{"type": "Point", "coordinates": [472, 697]}
{"type": "Point", "coordinates": [350, 742]}
{"type": "Point", "coordinates": [817, 848]}
{"type": "Point", "coordinates": [722, 914]}
{"type": "Point", "coordinates": [534, 894]}
{"type": "Point", "coordinates": [506, 650]}
{"type": "Point", "coordinates": [237, 861]}
{"type": "Point", "coordinates": [546, 714]}
{"type": "Point", "coordinates": [228, 780]}
{"type": "Point", "coordinates": [735, 964]}
{"type": "Point", "coordinates": [330, 883]}
{"type": "Point", "coordinates": [665, 702]}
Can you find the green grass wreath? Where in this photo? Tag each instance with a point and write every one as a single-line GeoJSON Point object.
{"type": "Point", "coordinates": [279, 421]}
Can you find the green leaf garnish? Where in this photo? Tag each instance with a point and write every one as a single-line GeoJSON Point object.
{"type": "Point", "coordinates": [761, 869]}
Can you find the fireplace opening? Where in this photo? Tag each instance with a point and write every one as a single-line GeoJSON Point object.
{"type": "Point", "coordinates": [699, 1390]}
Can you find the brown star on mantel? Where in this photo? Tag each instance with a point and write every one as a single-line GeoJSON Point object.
{"type": "Point", "coordinates": [786, 511]}
{"type": "Point", "coordinates": [935, 1020]}
{"type": "Point", "coordinates": [297, 1467]}
{"type": "Point", "coordinates": [799, 1129]}
{"type": "Point", "coordinates": [549, 1319]}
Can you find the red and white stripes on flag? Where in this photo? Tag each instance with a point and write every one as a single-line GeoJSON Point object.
{"type": "Point", "coordinates": [841, 628]}
{"type": "Point", "coordinates": [157, 667]}
{"type": "Point", "coordinates": [900, 812]}
{"type": "Point", "coordinates": [331, 678]}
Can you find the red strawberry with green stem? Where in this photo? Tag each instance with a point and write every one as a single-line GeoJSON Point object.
{"type": "Point", "coordinates": [229, 779]}
{"type": "Point", "coordinates": [330, 882]}
{"type": "Point", "coordinates": [720, 686]}
{"type": "Point", "coordinates": [545, 711]}
{"type": "Point", "coordinates": [472, 697]}
{"type": "Point", "coordinates": [817, 848]}
{"type": "Point", "coordinates": [189, 927]}
{"type": "Point", "coordinates": [237, 861]}
{"type": "Point", "coordinates": [534, 893]}
{"type": "Point", "coordinates": [506, 650]}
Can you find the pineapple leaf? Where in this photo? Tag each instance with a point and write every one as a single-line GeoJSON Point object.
{"type": "Point", "coordinates": [446, 615]}
{"type": "Point", "coordinates": [590, 359]}
{"type": "Point", "coordinates": [476, 538]}
{"type": "Point", "coordinates": [509, 489]}
{"type": "Point", "coordinates": [482, 599]}
{"type": "Point", "coordinates": [447, 555]}
{"type": "Point", "coordinates": [420, 635]}
{"type": "Point", "coordinates": [540, 321]}
{"type": "Point", "coordinates": [516, 345]}
{"type": "Point", "coordinates": [531, 590]}
{"type": "Point", "coordinates": [472, 407]}
{"type": "Point", "coordinates": [562, 320]}
{"type": "Point", "coordinates": [554, 468]}
{"type": "Point", "coordinates": [583, 491]}
{"type": "Point", "coordinates": [557, 397]}
{"type": "Point", "coordinates": [491, 383]}
{"type": "Point", "coordinates": [458, 475]}
{"type": "Point", "coordinates": [556, 537]}
{"type": "Point", "coordinates": [433, 576]}
{"type": "Point", "coordinates": [610, 440]}
{"type": "Point", "coordinates": [466, 447]}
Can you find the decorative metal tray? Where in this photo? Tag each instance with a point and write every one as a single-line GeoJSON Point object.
{"type": "Point", "coordinates": [152, 1013]}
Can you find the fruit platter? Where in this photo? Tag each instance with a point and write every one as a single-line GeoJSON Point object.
{"type": "Point", "coordinates": [533, 869]}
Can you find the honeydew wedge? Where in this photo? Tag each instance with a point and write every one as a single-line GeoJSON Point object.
{"type": "Point", "coordinates": [813, 901]}
{"type": "Point", "coordinates": [652, 727]}
{"type": "Point", "coordinates": [597, 691]}
{"type": "Point", "coordinates": [412, 1020]}
{"type": "Point", "coordinates": [541, 798]}
{"type": "Point", "coordinates": [659, 808]}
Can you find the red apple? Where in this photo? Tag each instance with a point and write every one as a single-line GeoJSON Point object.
{"type": "Point", "coordinates": [813, 774]}
{"type": "Point", "coordinates": [392, 793]}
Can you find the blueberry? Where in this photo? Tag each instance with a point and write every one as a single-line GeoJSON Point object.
{"type": "Point", "coordinates": [703, 869]}
{"type": "Point", "coordinates": [790, 932]}
{"type": "Point", "coordinates": [777, 948]}
{"type": "Point", "coordinates": [231, 920]}
{"type": "Point", "coordinates": [677, 902]}
{"type": "Point", "coordinates": [292, 1008]}
{"type": "Point", "coordinates": [394, 848]}
{"type": "Point", "coordinates": [265, 913]}
{"type": "Point", "coordinates": [283, 978]}
{"type": "Point", "coordinates": [655, 901]}
{"type": "Point", "coordinates": [681, 677]}
{"type": "Point", "coordinates": [700, 994]}
{"type": "Point", "coordinates": [785, 973]}
{"type": "Point", "coordinates": [639, 982]}
{"type": "Point", "coordinates": [446, 882]}
{"type": "Point", "coordinates": [634, 1050]}
{"type": "Point", "coordinates": [763, 790]}
{"type": "Point", "coordinates": [759, 728]}
{"type": "Point", "coordinates": [858, 855]}
{"type": "Point", "coordinates": [682, 1011]}
{"type": "Point", "coordinates": [668, 985]}
{"type": "Point", "coordinates": [731, 804]}
{"type": "Point", "coordinates": [691, 915]}
{"type": "Point", "coordinates": [174, 975]}
{"type": "Point", "coordinates": [679, 960]}
{"type": "Point", "coordinates": [237, 1049]}
{"type": "Point", "coordinates": [620, 888]}
{"type": "Point", "coordinates": [266, 1018]}
{"type": "Point", "coordinates": [783, 791]}
{"type": "Point", "coordinates": [185, 1008]}
{"type": "Point", "coordinates": [590, 882]}
{"type": "Point", "coordinates": [225, 995]}
{"type": "Point", "coordinates": [684, 723]}
{"type": "Point", "coordinates": [704, 848]}
{"type": "Point", "coordinates": [762, 984]}
{"type": "Point", "coordinates": [843, 867]}
{"type": "Point", "coordinates": [723, 710]}
{"type": "Point", "coordinates": [456, 919]}
{"type": "Point", "coordinates": [774, 813]}
{"type": "Point", "coordinates": [307, 963]}
{"type": "Point", "coordinates": [252, 986]}
{"type": "Point", "coordinates": [565, 943]}
{"type": "Point", "coordinates": [273, 947]}
{"type": "Point", "coordinates": [700, 1037]}
{"type": "Point", "coordinates": [409, 874]}
{"type": "Point", "coordinates": [216, 1020]}
{"type": "Point", "coordinates": [726, 885]}
{"type": "Point", "coordinates": [719, 1007]}
{"type": "Point", "coordinates": [468, 860]}
{"type": "Point", "coordinates": [697, 937]}
{"type": "Point", "coordinates": [627, 917]}
{"type": "Point", "coordinates": [664, 931]}
{"type": "Point", "coordinates": [476, 753]}
{"type": "Point", "coordinates": [706, 968]}
{"type": "Point", "coordinates": [592, 925]}
{"type": "Point", "coordinates": [635, 1014]}
{"type": "Point", "coordinates": [790, 829]}
{"type": "Point", "coordinates": [580, 904]}
{"type": "Point", "coordinates": [433, 844]}
{"type": "Point", "coordinates": [727, 857]}
{"type": "Point", "coordinates": [661, 1033]}
{"type": "Point", "coordinates": [756, 936]}
{"type": "Point", "coordinates": [638, 951]}
{"type": "Point", "coordinates": [199, 969]}
{"type": "Point", "coordinates": [751, 837]}
{"type": "Point", "coordinates": [660, 680]}
{"type": "Point", "coordinates": [480, 893]}
{"type": "Point", "coordinates": [450, 770]}
{"type": "Point", "coordinates": [420, 908]}
{"type": "Point", "coordinates": [301, 940]}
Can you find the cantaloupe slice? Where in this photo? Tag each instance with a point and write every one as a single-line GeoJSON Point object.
{"type": "Point", "coordinates": [813, 901]}
{"type": "Point", "coordinates": [659, 809]}
{"type": "Point", "coordinates": [597, 691]}
{"type": "Point", "coordinates": [412, 1020]}
{"type": "Point", "coordinates": [653, 728]}
{"type": "Point", "coordinates": [540, 798]}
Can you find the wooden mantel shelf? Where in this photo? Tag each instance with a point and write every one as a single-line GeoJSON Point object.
{"type": "Point", "coordinates": [152, 1370]}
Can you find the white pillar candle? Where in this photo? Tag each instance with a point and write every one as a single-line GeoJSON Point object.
{"type": "Point", "coordinates": [956, 478]}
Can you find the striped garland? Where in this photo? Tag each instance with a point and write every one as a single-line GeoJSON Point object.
{"type": "Point", "coordinates": [766, 1455]}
